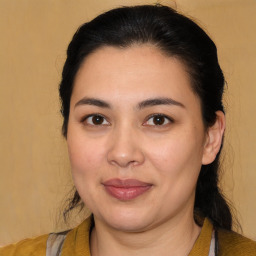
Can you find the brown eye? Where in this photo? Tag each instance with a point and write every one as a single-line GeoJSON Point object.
{"type": "Point", "coordinates": [158, 120]}
{"type": "Point", "coordinates": [96, 120]}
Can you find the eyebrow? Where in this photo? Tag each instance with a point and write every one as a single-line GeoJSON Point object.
{"type": "Point", "coordinates": [92, 101]}
{"type": "Point", "coordinates": [159, 101]}
{"type": "Point", "coordinates": [141, 105]}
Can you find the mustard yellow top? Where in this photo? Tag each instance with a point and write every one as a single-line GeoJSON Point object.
{"type": "Point", "coordinates": [77, 243]}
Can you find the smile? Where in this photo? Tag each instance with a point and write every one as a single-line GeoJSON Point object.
{"type": "Point", "coordinates": [125, 190]}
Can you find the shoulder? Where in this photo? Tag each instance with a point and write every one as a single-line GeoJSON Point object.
{"type": "Point", "coordinates": [232, 243]}
{"type": "Point", "coordinates": [69, 242]}
{"type": "Point", "coordinates": [27, 247]}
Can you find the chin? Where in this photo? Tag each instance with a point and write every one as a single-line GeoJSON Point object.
{"type": "Point", "coordinates": [127, 220]}
{"type": "Point", "coordinates": [129, 225]}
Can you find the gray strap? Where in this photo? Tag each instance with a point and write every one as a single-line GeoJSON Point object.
{"type": "Point", "coordinates": [54, 243]}
{"type": "Point", "coordinates": [212, 246]}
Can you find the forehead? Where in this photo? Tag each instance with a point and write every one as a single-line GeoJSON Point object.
{"type": "Point", "coordinates": [137, 71]}
{"type": "Point", "coordinates": [137, 57]}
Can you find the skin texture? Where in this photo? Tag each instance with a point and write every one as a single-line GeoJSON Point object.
{"type": "Point", "coordinates": [126, 141]}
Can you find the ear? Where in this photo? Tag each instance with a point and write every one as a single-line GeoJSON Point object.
{"type": "Point", "coordinates": [214, 138]}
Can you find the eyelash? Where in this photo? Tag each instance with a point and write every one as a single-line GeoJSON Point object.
{"type": "Point", "coordinates": [85, 119]}
{"type": "Point", "coordinates": [167, 120]}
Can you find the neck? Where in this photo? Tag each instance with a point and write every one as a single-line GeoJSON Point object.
{"type": "Point", "coordinates": [174, 237]}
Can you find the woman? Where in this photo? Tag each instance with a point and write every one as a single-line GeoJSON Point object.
{"type": "Point", "coordinates": [141, 96]}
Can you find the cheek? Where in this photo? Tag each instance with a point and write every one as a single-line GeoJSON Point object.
{"type": "Point", "coordinates": [86, 163]}
{"type": "Point", "coordinates": [85, 156]}
{"type": "Point", "coordinates": [178, 158]}
{"type": "Point", "coordinates": [178, 163]}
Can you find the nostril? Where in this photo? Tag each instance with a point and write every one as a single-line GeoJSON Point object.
{"type": "Point", "coordinates": [125, 159]}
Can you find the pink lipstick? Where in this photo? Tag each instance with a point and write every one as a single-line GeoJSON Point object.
{"type": "Point", "coordinates": [125, 190]}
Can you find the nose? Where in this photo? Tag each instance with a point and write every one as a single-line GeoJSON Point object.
{"type": "Point", "coordinates": [125, 149]}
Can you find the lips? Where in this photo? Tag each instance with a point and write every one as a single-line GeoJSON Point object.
{"type": "Point", "coordinates": [125, 190]}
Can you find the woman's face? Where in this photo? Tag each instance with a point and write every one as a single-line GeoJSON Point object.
{"type": "Point", "coordinates": [136, 138]}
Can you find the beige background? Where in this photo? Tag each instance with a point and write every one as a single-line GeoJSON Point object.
{"type": "Point", "coordinates": [34, 164]}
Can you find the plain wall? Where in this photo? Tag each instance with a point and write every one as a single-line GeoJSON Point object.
{"type": "Point", "coordinates": [34, 176]}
